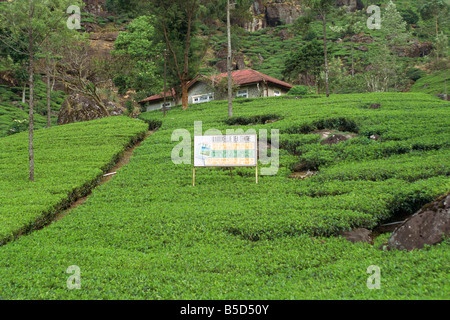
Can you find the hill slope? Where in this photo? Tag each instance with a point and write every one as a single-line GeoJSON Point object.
{"type": "Point", "coordinates": [148, 234]}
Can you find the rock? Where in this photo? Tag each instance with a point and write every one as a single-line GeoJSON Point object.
{"type": "Point", "coordinates": [94, 6]}
{"type": "Point", "coordinates": [352, 5]}
{"type": "Point", "coordinates": [281, 13]}
{"type": "Point", "coordinates": [284, 34]}
{"type": "Point", "coordinates": [419, 49]}
{"type": "Point", "coordinates": [443, 96]}
{"type": "Point", "coordinates": [334, 139]}
{"type": "Point", "coordinates": [357, 235]}
{"type": "Point", "coordinates": [77, 108]}
{"type": "Point", "coordinates": [375, 106]}
{"type": "Point", "coordinates": [240, 62]}
{"type": "Point", "coordinates": [221, 66]}
{"type": "Point", "coordinates": [271, 13]}
{"type": "Point", "coordinates": [362, 48]}
{"type": "Point", "coordinates": [257, 11]}
{"type": "Point", "coordinates": [362, 38]}
{"type": "Point", "coordinates": [425, 227]}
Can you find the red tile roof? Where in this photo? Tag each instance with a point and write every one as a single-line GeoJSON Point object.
{"type": "Point", "coordinates": [159, 96]}
{"type": "Point", "coordinates": [249, 76]}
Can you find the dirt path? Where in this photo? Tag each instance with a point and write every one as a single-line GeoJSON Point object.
{"type": "Point", "coordinates": [106, 177]}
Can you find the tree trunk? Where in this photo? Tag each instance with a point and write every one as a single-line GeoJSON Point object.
{"type": "Point", "coordinates": [230, 89]}
{"type": "Point", "coordinates": [325, 52]}
{"type": "Point", "coordinates": [184, 94]}
{"type": "Point", "coordinates": [437, 34]}
{"type": "Point", "coordinates": [184, 81]}
{"type": "Point", "coordinates": [48, 101]}
{"type": "Point", "coordinates": [353, 61]}
{"type": "Point", "coordinates": [31, 100]}
{"type": "Point", "coordinates": [24, 92]}
{"type": "Point", "coordinates": [165, 82]}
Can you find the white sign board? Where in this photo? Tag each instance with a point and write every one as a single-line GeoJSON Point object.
{"type": "Point", "coordinates": [225, 151]}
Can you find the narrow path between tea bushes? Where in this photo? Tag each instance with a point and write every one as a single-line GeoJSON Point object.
{"type": "Point", "coordinates": [125, 159]}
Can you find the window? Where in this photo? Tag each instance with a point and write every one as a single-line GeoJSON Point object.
{"type": "Point", "coordinates": [203, 98]}
{"type": "Point", "coordinates": [276, 93]}
{"type": "Point", "coordinates": [242, 93]}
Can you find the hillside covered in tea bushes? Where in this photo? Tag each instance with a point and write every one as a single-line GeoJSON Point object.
{"type": "Point", "coordinates": [149, 234]}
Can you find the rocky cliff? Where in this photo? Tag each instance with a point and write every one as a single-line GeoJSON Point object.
{"type": "Point", "coordinates": [271, 13]}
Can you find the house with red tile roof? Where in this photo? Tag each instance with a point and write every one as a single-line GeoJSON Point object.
{"type": "Point", "coordinates": [247, 83]}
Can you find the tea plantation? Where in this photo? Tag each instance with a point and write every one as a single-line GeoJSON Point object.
{"type": "Point", "coordinates": [149, 234]}
{"type": "Point", "coordinates": [69, 162]}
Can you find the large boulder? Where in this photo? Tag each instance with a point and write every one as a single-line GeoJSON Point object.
{"type": "Point", "coordinates": [419, 49]}
{"type": "Point", "coordinates": [280, 13]}
{"type": "Point", "coordinates": [425, 227]}
{"type": "Point", "coordinates": [77, 108]}
{"type": "Point", "coordinates": [352, 5]}
{"type": "Point", "coordinates": [94, 6]}
{"type": "Point", "coordinates": [357, 235]}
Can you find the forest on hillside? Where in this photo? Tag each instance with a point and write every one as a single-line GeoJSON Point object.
{"type": "Point", "coordinates": [105, 55]}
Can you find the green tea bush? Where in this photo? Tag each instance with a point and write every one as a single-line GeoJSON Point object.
{"type": "Point", "coordinates": [69, 161]}
{"type": "Point", "coordinates": [298, 91]}
{"type": "Point", "coordinates": [138, 234]}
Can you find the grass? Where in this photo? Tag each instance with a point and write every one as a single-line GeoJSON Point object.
{"type": "Point", "coordinates": [148, 234]}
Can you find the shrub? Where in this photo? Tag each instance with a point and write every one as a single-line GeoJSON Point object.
{"type": "Point", "coordinates": [310, 35]}
{"type": "Point", "coordinates": [243, 120]}
{"type": "Point", "coordinates": [415, 74]}
{"type": "Point", "coordinates": [298, 91]}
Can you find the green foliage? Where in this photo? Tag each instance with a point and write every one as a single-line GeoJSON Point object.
{"type": "Point", "coordinates": [243, 120]}
{"type": "Point", "coordinates": [306, 60]}
{"type": "Point", "coordinates": [298, 91]}
{"type": "Point", "coordinates": [310, 35]}
{"type": "Point", "coordinates": [410, 16]}
{"type": "Point", "coordinates": [138, 234]}
{"type": "Point", "coordinates": [70, 161]}
{"type": "Point", "coordinates": [137, 57]}
{"type": "Point", "coordinates": [435, 83]}
{"type": "Point", "coordinates": [12, 110]}
{"type": "Point", "coordinates": [415, 73]}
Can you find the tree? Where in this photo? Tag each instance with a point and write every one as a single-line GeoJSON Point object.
{"type": "Point", "coordinates": [394, 27]}
{"type": "Point", "coordinates": [410, 16]}
{"type": "Point", "coordinates": [50, 54]}
{"type": "Point", "coordinates": [27, 24]}
{"type": "Point", "coordinates": [383, 72]}
{"type": "Point", "coordinates": [138, 50]}
{"type": "Point", "coordinates": [307, 62]}
{"type": "Point", "coordinates": [352, 27]}
{"type": "Point", "coordinates": [321, 8]}
{"type": "Point", "coordinates": [434, 9]}
{"type": "Point", "coordinates": [438, 57]}
{"type": "Point", "coordinates": [230, 79]}
{"type": "Point", "coordinates": [177, 23]}
{"type": "Point", "coordinates": [78, 71]}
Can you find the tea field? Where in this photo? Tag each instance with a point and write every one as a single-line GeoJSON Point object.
{"type": "Point", "coordinates": [69, 162]}
{"type": "Point", "coordinates": [149, 234]}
